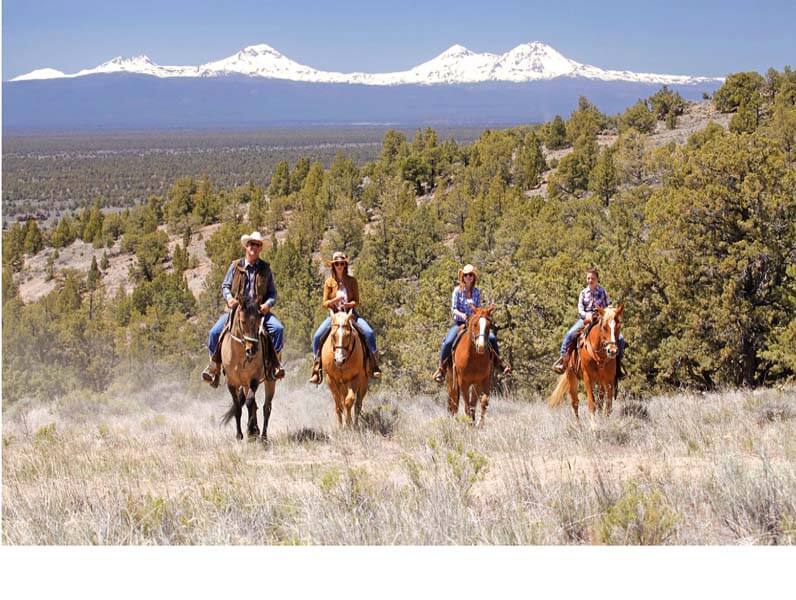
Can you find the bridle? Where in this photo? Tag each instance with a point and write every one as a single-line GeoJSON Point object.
{"type": "Point", "coordinates": [346, 349]}
{"type": "Point", "coordinates": [475, 336]}
{"type": "Point", "coordinates": [244, 339]}
{"type": "Point", "coordinates": [601, 355]}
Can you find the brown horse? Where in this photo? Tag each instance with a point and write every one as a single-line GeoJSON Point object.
{"type": "Point", "coordinates": [242, 359]}
{"type": "Point", "coordinates": [595, 363]}
{"type": "Point", "coordinates": [471, 372]}
{"type": "Point", "coordinates": [343, 360]}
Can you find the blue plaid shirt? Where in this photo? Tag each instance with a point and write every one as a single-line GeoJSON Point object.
{"type": "Point", "coordinates": [461, 307]}
{"type": "Point", "coordinates": [588, 301]}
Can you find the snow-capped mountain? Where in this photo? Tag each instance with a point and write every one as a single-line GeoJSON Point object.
{"type": "Point", "coordinates": [533, 61]}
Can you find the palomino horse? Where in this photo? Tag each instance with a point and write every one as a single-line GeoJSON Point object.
{"type": "Point", "coordinates": [471, 371]}
{"type": "Point", "coordinates": [343, 360]}
{"type": "Point", "coordinates": [242, 358]}
{"type": "Point", "coordinates": [594, 362]}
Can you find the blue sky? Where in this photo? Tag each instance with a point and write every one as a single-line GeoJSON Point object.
{"type": "Point", "coordinates": [678, 37]}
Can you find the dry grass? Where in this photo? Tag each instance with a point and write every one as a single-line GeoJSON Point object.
{"type": "Point", "coordinates": [154, 467]}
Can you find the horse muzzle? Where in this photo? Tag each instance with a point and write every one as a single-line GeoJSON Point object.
{"type": "Point", "coordinates": [480, 345]}
{"type": "Point", "coordinates": [611, 350]}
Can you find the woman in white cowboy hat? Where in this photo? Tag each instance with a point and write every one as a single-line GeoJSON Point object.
{"type": "Point", "coordinates": [341, 292]}
{"type": "Point", "coordinates": [248, 277]}
{"type": "Point", "coordinates": [465, 297]}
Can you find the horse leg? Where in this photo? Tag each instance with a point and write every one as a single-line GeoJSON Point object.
{"type": "Point", "coordinates": [358, 403]}
{"type": "Point", "coordinates": [484, 405]}
{"type": "Point", "coordinates": [251, 406]}
{"type": "Point", "coordinates": [350, 399]}
{"type": "Point", "coordinates": [589, 385]}
{"type": "Point", "coordinates": [573, 393]}
{"type": "Point", "coordinates": [470, 400]}
{"type": "Point", "coordinates": [610, 394]}
{"type": "Point", "coordinates": [453, 393]}
{"type": "Point", "coordinates": [237, 405]}
{"type": "Point", "coordinates": [270, 388]}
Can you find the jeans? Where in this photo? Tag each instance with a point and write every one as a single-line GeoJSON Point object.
{"type": "Point", "coordinates": [450, 337]}
{"type": "Point", "coordinates": [326, 326]}
{"type": "Point", "coordinates": [276, 331]}
{"type": "Point", "coordinates": [574, 329]}
{"type": "Point", "coordinates": [569, 335]}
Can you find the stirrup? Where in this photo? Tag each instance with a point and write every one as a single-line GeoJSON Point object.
{"type": "Point", "coordinates": [439, 375]}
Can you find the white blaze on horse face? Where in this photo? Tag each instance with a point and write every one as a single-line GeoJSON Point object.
{"type": "Point", "coordinates": [480, 342]}
{"type": "Point", "coordinates": [612, 325]}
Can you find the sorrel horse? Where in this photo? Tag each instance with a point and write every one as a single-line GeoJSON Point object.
{"type": "Point", "coordinates": [594, 362]}
{"type": "Point", "coordinates": [471, 371]}
{"type": "Point", "coordinates": [242, 352]}
{"type": "Point", "coordinates": [343, 360]}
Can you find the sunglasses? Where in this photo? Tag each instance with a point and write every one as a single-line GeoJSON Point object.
{"type": "Point", "coordinates": [469, 275]}
{"type": "Point", "coordinates": [338, 264]}
{"type": "Point", "coordinates": [254, 245]}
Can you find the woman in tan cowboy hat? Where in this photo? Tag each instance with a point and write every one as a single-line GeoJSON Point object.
{"type": "Point", "coordinates": [341, 292]}
{"type": "Point", "coordinates": [465, 297]}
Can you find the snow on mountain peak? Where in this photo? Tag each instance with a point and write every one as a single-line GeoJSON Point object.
{"type": "Point", "coordinates": [527, 62]}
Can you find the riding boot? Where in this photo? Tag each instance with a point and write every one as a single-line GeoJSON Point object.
{"type": "Point", "coordinates": [279, 372]}
{"type": "Point", "coordinates": [561, 364]}
{"type": "Point", "coordinates": [376, 374]}
{"type": "Point", "coordinates": [317, 375]}
{"type": "Point", "coordinates": [439, 374]}
{"type": "Point", "coordinates": [212, 373]}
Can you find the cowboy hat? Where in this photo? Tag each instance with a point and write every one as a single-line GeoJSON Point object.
{"type": "Point", "coordinates": [467, 270]}
{"type": "Point", "coordinates": [253, 237]}
{"type": "Point", "coordinates": [337, 257]}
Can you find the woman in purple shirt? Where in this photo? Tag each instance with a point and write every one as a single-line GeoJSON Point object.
{"type": "Point", "coordinates": [591, 297]}
{"type": "Point", "coordinates": [465, 297]}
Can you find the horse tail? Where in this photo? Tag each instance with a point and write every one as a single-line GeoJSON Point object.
{"type": "Point", "coordinates": [562, 387]}
{"type": "Point", "coordinates": [229, 414]}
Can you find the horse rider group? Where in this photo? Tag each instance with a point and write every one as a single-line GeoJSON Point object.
{"type": "Point", "coordinates": [250, 278]}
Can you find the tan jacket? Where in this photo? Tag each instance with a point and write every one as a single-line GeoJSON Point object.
{"type": "Point", "coordinates": [330, 288]}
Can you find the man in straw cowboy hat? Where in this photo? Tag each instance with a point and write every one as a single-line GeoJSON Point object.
{"type": "Point", "coordinates": [465, 297]}
{"type": "Point", "coordinates": [341, 292]}
{"type": "Point", "coordinates": [248, 277]}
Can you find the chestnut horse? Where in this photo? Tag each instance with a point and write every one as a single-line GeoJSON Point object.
{"type": "Point", "coordinates": [242, 359]}
{"type": "Point", "coordinates": [594, 362]}
{"type": "Point", "coordinates": [343, 360]}
{"type": "Point", "coordinates": [471, 372]}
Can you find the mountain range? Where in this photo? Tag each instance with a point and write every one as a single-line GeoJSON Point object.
{"type": "Point", "coordinates": [533, 61]}
{"type": "Point", "coordinates": [260, 87]}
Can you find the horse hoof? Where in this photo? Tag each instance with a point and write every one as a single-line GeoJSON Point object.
{"type": "Point", "coordinates": [239, 437]}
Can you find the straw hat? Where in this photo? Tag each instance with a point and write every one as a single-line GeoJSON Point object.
{"type": "Point", "coordinates": [338, 257]}
{"type": "Point", "coordinates": [466, 270]}
{"type": "Point", "coordinates": [253, 237]}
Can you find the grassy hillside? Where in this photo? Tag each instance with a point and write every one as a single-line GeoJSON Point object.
{"type": "Point", "coordinates": [152, 466]}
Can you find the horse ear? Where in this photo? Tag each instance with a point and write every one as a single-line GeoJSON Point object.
{"type": "Point", "coordinates": [619, 309]}
{"type": "Point", "coordinates": [600, 310]}
{"type": "Point", "coordinates": [350, 311]}
{"type": "Point", "coordinates": [331, 313]}
{"type": "Point", "coordinates": [490, 308]}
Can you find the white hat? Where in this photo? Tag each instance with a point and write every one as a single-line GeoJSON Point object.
{"type": "Point", "coordinates": [253, 237]}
